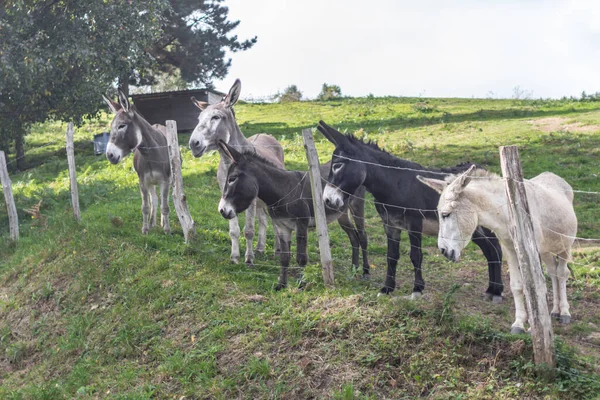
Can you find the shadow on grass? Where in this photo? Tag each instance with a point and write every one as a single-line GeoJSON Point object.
{"type": "Point", "coordinates": [400, 121]}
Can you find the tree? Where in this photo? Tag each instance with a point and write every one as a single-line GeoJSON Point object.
{"type": "Point", "coordinates": [290, 94]}
{"type": "Point", "coordinates": [196, 36]}
{"type": "Point", "coordinates": [329, 92]}
{"type": "Point", "coordinates": [58, 56]}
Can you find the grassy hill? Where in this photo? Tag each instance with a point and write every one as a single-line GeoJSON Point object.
{"type": "Point", "coordinates": [96, 310]}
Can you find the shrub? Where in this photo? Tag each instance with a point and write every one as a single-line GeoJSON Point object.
{"type": "Point", "coordinates": [291, 93]}
{"type": "Point", "coordinates": [329, 92]}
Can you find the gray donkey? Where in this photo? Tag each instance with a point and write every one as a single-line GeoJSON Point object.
{"type": "Point", "coordinates": [288, 196]}
{"type": "Point", "coordinates": [217, 122]}
{"type": "Point", "coordinates": [130, 132]}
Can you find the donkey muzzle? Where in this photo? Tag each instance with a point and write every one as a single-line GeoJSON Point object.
{"type": "Point", "coordinates": [226, 209]}
{"type": "Point", "coordinates": [113, 157]}
{"type": "Point", "coordinates": [332, 196]}
{"type": "Point", "coordinates": [449, 254]}
{"type": "Point", "coordinates": [197, 148]}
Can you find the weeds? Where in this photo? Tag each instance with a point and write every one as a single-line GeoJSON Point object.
{"type": "Point", "coordinates": [95, 309]}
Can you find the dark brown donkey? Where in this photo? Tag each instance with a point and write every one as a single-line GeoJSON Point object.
{"type": "Point", "coordinates": [130, 132]}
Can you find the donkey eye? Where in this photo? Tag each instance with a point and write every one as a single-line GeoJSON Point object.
{"type": "Point", "coordinates": [337, 166]}
{"type": "Point", "coordinates": [232, 179]}
{"type": "Point", "coordinates": [445, 215]}
{"type": "Point", "coordinates": [122, 126]}
{"type": "Point", "coordinates": [216, 117]}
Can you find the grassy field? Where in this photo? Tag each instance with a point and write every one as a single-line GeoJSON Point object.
{"type": "Point", "coordinates": [96, 310]}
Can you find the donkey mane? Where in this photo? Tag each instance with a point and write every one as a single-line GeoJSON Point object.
{"type": "Point", "coordinates": [479, 172]}
{"type": "Point", "coordinates": [397, 161]}
{"type": "Point", "coordinates": [369, 143]}
{"type": "Point", "coordinates": [248, 153]}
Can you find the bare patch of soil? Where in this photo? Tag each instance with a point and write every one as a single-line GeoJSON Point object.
{"type": "Point", "coordinates": [557, 124]}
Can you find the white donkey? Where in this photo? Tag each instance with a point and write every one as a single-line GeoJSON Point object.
{"type": "Point", "coordinates": [466, 203]}
{"type": "Point", "coordinates": [217, 123]}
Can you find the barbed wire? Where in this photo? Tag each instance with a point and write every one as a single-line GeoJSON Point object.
{"type": "Point", "coordinates": [445, 174]}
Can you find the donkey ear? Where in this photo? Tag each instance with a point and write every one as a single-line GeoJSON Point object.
{"type": "Point", "coordinates": [234, 94]}
{"type": "Point", "coordinates": [114, 106]}
{"type": "Point", "coordinates": [436, 184]}
{"type": "Point", "coordinates": [229, 151]}
{"type": "Point", "coordinates": [333, 135]}
{"type": "Point", "coordinates": [123, 100]}
{"type": "Point", "coordinates": [463, 180]}
{"type": "Point", "coordinates": [200, 104]}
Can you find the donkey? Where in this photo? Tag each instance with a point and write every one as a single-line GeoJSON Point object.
{"type": "Point", "coordinates": [466, 203]}
{"type": "Point", "coordinates": [217, 122]}
{"type": "Point", "coordinates": [289, 200]}
{"type": "Point", "coordinates": [402, 203]}
{"type": "Point", "coordinates": [130, 132]}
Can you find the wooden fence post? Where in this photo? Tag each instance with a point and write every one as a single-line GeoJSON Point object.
{"type": "Point", "coordinates": [185, 218]}
{"type": "Point", "coordinates": [320, 217]}
{"type": "Point", "coordinates": [534, 283]}
{"type": "Point", "coordinates": [72, 174]}
{"type": "Point", "coordinates": [13, 218]}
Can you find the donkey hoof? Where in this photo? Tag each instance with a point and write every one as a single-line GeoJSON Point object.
{"type": "Point", "coordinates": [235, 260]}
{"type": "Point", "coordinates": [497, 299]}
{"type": "Point", "coordinates": [386, 290]}
{"type": "Point", "coordinates": [365, 277]}
{"type": "Point", "coordinates": [416, 295]}
{"type": "Point", "coordinates": [515, 330]}
{"type": "Point", "coordinates": [564, 319]}
{"type": "Point", "coordinates": [145, 231]}
{"type": "Point", "coordinates": [554, 315]}
{"type": "Point", "coordinates": [488, 296]}
{"type": "Point", "coordinates": [280, 286]}
{"type": "Point", "coordinates": [249, 263]}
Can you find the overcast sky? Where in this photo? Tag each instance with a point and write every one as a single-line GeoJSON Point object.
{"type": "Point", "coordinates": [432, 48]}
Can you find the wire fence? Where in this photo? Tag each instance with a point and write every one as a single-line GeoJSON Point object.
{"type": "Point", "coordinates": [267, 271]}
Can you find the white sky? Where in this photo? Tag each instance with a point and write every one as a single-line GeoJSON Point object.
{"type": "Point", "coordinates": [433, 48]}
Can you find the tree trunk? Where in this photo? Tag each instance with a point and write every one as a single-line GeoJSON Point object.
{"type": "Point", "coordinates": [20, 148]}
{"type": "Point", "coordinates": [4, 141]}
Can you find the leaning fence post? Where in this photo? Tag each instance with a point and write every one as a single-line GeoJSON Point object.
{"type": "Point", "coordinates": [72, 174]}
{"type": "Point", "coordinates": [185, 218]}
{"type": "Point", "coordinates": [13, 218]}
{"type": "Point", "coordinates": [534, 283]}
{"type": "Point", "coordinates": [320, 217]}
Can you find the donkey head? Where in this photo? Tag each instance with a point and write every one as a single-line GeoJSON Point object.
{"type": "Point", "coordinates": [346, 174]}
{"type": "Point", "coordinates": [457, 215]}
{"type": "Point", "coordinates": [125, 134]}
{"type": "Point", "coordinates": [241, 186]}
{"type": "Point", "coordinates": [215, 122]}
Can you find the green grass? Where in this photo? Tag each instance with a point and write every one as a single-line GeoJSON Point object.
{"type": "Point", "coordinates": [96, 310]}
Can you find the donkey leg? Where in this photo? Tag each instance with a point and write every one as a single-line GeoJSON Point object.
{"type": "Point", "coordinates": [285, 237]}
{"type": "Point", "coordinates": [516, 287]}
{"type": "Point", "coordinates": [416, 256]}
{"type": "Point", "coordinates": [263, 218]}
{"type": "Point", "coordinates": [357, 207]}
{"type": "Point", "coordinates": [551, 265]}
{"type": "Point", "coordinates": [276, 243]}
{"type": "Point", "coordinates": [153, 205]}
{"type": "Point", "coordinates": [164, 206]}
{"type": "Point", "coordinates": [490, 246]}
{"type": "Point", "coordinates": [249, 232]}
{"type": "Point", "coordinates": [563, 275]}
{"type": "Point", "coordinates": [348, 227]}
{"type": "Point", "coordinates": [145, 208]}
{"type": "Point", "coordinates": [393, 254]}
{"type": "Point", "coordinates": [234, 234]}
{"type": "Point", "coordinates": [301, 248]}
